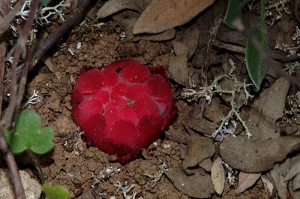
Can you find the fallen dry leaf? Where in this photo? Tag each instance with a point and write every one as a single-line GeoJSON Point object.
{"type": "Point", "coordinates": [218, 176]}
{"type": "Point", "coordinates": [269, 187]}
{"type": "Point", "coordinates": [296, 183]}
{"type": "Point", "coordinates": [113, 6]}
{"type": "Point", "coordinates": [258, 156]}
{"type": "Point", "coordinates": [128, 23]}
{"type": "Point", "coordinates": [246, 180]}
{"type": "Point", "coordinates": [160, 15]}
{"type": "Point", "coordinates": [265, 147]}
{"type": "Point", "coordinates": [277, 174]}
{"type": "Point", "coordinates": [267, 109]}
{"type": "Point", "coordinates": [202, 125]}
{"type": "Point", "coordinates": [292, 169]}
{"type": "Point", "coordinates": [198, 186]}
{"type": "Point", "coordinates": [178, 67]}
{"type": "Point", "coordinates": [198, 149]}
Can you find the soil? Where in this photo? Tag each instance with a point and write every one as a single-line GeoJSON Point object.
{"type": "Point", "coordinates": [90, 173]}
{"type": "Point", "coordinates": [71, 163]}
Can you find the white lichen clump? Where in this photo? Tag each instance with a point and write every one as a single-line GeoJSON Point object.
{"type": "Point", "coordinates": [162, 168]}
{"type": "Point", "coordinates": [34, 99]}
{"type": "Point", "coordinates": [230, 174]}
{"type": "Point", "coordinates": [125, 189]}
{"type": "Point", "coordinates": [104, 174]}
{"type": "Point", "coordinates": [290, 49]}
{"type": "Point", "coordinates": [43, 13]}
{"type": "Point", "coordinates": [208, 92]}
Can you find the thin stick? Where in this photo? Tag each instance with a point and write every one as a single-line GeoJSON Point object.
{"type": "Point", "coordinates": [13, 167]}
{"type": "Point", "coordinates": [18, 50]}
{"type": "Point", "coordinates": [2, 66]}
{"type": "Point", "coordinates": [4, 22]}
{"type": "Point", "coordinates": [50, 41]}
{"type": "Point", "coordinates": [270, 62]}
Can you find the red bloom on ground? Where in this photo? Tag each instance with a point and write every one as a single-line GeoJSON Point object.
{"type": "Point", "coordinates": [122, 107]}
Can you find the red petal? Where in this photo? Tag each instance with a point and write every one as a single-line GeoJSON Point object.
{"type": "Point", "coordinates": [76, 98]}
{"type": "Point", "coordinates": [146, 106]}
{"type": "Point", "coordinates": [136, 91]}
{"type": "Point", "coordinates": [85, 110]}
{"type": "Point", "coordinates": [118, 93]}
{"type": "Point", "coordinates": [111, 112]}
{"type": "Point", "coordinates": [150, 128]}
{"type": "Point", "coordinates": [88, 82]}
{"type": "Point", "coordinates": [124, 133]}
{"type": "Point", "coordinates": [101, 95]}
{"type": "Point", "coordinates": [109, 75]}
{"type": "Point", "coordinates": [160, 88]}
{"type": "Point", "coordinates": [94, 128]}
{"type": "Point", "coordinates": [108, 146]}
{"type": "Point", "coordinates": [170, 117]}
{"type": "Point", "coordinates": [161, 70]}
{"type": "Point", "coordinates": [135, 71]}
{"type": "Point", "coordinates": [128, 113]}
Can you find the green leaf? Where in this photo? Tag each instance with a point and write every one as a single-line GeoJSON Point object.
{"type": "Point", "coordinates": [55, 192]}
{"type": "Point", "coordinates": [233, 12]}
{"type": "Point", "coordinates": [45, 2]}
{"type": "Point", "coordinates": [28, 135]}
{"type": "Point", "coordinates": [257, 67]}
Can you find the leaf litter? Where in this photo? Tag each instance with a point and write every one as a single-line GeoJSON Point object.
{"type": "Point", "coordinates": [74, 168]}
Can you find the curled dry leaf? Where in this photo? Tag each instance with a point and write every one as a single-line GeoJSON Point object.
{"type": "Point", "coordinates": [267, 109]}
{"type": "Point", "coordinates": [296, 183]}
{"type": "Point", "coordinates": [246, 180]}
{"type": "Point", "coordinates": [269, 187]}
{"type": "Point", "coordinates": [160, 15]}
{"type": "Point", "coordinates": [286, 177]}
{"type": "Point", "coordinates": [113, 6]}
{"type": "Point", "coordinates": [218, 176]}
{"type": "Point", "coordinates": [292, 169]}
{"type": "Point", "coordinates": [202, 125]}
{"type": "Point", "coordinates": [197, 186]}
{"type": "Point", "coordinates": [254, 157]}
{"type": "Point", "coordinates": [178, 68]}
{"type": "Point", "coordinates": [277, 174]}
{"type": "Point", "coordinates": [265, 147]}
{"type": "Point", "coordinates": [198, 149]}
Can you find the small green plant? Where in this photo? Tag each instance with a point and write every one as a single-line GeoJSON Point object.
{"type": "Point", "coordinates": [55, 192]}
{"type": "Point", "coordinates": [28, 134]}
{"type": "Point", "coordinates": [256, 65]}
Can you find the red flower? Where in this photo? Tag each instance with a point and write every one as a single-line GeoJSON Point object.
{"type": "Point", "coordinates": [122, 107]}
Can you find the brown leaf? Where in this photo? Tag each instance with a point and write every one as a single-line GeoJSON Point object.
{"type": "Point", "coordinates": [163, 15]}
{"type": "Point", "coordinates": [257, 156]}
{"type": "Point", "coordinates": [202, 125]}
{"type": "Point", "coordinates": [114, 6]}
{"type": "Point", "coordinates": [178, 67]}
{"type": "Point", "coordinates": [218, 176]}
{"type": "Point", "coordinates": [197, 186]}
{"type": "Point", "coordinates": [246, 180]}
{"type": "Point", "coordinates": [267, 109]}
{"type": "Point", "coordinates": [198, 149]}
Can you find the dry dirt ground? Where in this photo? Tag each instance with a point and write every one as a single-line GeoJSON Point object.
{"type": "Point", "coordinates": [87, 172]}
{"type": "Point", "coordinates": [77, 167]}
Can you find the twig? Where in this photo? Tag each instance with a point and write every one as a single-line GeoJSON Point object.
{"type": "Point", "coordinates": [11, 163]}
{"type": "Point", "coordinates": [4, 23]}
{"type": "Point", "coordinates": [2, 66]}
{"type": "Point", "coordinates": [16, 96]}
{"type": "Point", "coordinates": [50, 41]}
{"type": "Point", "coordinates": [18, 50]}
{"type": "Point", "coordinates": [270, 62]}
